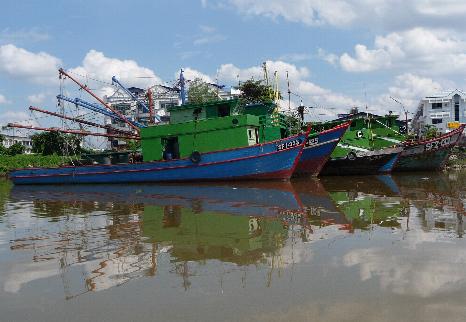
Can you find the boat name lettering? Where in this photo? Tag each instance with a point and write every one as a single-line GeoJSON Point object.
{"type": "Point", "coordinates": [288, 145]}
{"type": "Point", "coordinates": [438, 144]}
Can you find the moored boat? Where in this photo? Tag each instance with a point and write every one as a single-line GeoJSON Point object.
{"type": "Point", "coordinates": [428, 154]}
{"type": "Point", "coordinates": [363, 163]}
{"type": "Point", "coordinates": [272, 160]}
{"type": "Point", "coordinates": [318, 148]}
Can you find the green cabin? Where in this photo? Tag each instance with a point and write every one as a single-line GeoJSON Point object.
{"type": "Point", "coordinates": [211, 126]}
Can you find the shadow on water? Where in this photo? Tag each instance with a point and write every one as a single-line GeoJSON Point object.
{"type": "Point", "coordinates": [93, 238]}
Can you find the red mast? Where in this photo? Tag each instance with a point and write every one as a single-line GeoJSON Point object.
{"type": "Point", "coordinates": [32, 108]}
{"type": "Point", "coordinates": [151, 106]}
{"type": "Point", "coordinates": [84, 87]}
{"type": "Point", "coordinates": [51, 129]}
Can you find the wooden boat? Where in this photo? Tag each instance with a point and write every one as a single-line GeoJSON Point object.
{"type": "Point", "coordinates": [272, 160]}
{"type": "Point", "coordinates": [363, 163]}
{"type": "Point", "coordinates": [428, 154]}
{"type": "Point", "coordinates": [318, 148]}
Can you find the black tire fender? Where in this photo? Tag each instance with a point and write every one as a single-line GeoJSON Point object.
{"type": "Point", "coordinates": [195, 157]}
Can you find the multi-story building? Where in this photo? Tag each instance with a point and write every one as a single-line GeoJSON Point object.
{"type": "Point", "coordinates": [26, 141]}
{"type": "Point", "coordinates": [445, 111]}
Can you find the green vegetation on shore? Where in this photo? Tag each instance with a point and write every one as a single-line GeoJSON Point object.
{"type": "Point", "coordinates": [8, 162]}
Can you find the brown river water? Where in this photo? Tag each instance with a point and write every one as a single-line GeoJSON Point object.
{"type": "Point", "coordinates": [381, 248]}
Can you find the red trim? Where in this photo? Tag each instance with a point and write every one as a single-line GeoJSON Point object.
{"type": "Point", "coordinates": [164, 168]}
{"type": "Point", "coordinates": [458, 130]}
{"type": "Point", "coordinates": [347, 124]}
{"type": "Point", "coordinates": [186, 158]}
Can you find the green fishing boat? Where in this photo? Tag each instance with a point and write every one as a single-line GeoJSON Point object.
{"type": "Point", "coordinates": [371, 134]}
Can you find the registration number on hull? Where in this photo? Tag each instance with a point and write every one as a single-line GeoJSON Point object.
{"type": "Point", "coordinates": [288, 145]}
{"type": "Point", "coordinates": [438, 144]}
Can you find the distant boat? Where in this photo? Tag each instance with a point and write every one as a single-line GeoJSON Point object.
{"type": "Point", "coordinates": [429, 154]}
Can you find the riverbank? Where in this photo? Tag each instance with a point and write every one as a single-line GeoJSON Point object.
{"type": "Point", "coordinates": [8, 163]}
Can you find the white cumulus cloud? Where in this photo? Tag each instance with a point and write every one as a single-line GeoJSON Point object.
{"type": "Point", "coordinates": [37, 98]}
{"type": "Point", "coordinates": [435, 51]}
{"type": "Point", "coordinates": [96, 65]}
{"type": "Point", "coordinates": [3, 99]}
{"type": "Point", "coordinates": [38, 67]}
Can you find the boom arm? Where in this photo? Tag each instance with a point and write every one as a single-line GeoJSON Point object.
{"type": "Point", "coordinates": [96, 108]}
{"type": "Point", "coordinates": [84, 87]}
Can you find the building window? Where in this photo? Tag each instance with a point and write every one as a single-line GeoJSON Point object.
{"type": "Point", "coordinates": [436, 105]}
{"type": "Point", "coordinates": [457, 111]}
{"type": "Point", "coordinates": [437, 121]}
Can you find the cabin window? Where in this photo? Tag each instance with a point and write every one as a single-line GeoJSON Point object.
{"type": "Point", "coordinates": [437, 121]}
{"type": "Point", "coordinates": [436, 106]}
{"type": "Point", "coordinates": [171, 149]}
{"type": "Point", "coordinates": [253, 136]}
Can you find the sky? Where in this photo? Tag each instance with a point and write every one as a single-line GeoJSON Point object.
{"type": "Point", "coordinates": [338, 53]}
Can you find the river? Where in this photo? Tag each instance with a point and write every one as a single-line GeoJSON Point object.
{"type": "Point", "coordinates": [376, 248]}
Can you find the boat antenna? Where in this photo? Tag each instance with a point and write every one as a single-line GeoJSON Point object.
{"type": "Point", "coordinates": [182, 88]}
{"type": "Point", "coordinates": [404, 110]}
{"type": "Point", "coordinates": [289, 92]}
{"type": "Point", "coordinates": [266, 75]}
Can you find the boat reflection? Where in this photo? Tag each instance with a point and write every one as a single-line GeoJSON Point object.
{"type": "Point", "coordinates": [438, 198]}
{"type": "Point", "coordinates": [368, 200]}
{"type": "Point", "coordinates": [113, 234]}
{"type": "Point", "coordinates": [101, 236]}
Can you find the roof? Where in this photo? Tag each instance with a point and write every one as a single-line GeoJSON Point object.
{"type": "Point", "coordinates": [446, 94]}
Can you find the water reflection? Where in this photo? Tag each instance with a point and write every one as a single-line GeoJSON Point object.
{"type": "Point", "coordinates": [398, 230]}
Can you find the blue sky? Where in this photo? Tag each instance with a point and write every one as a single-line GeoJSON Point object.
{"type": "Point", "coordinates": [338, 53]}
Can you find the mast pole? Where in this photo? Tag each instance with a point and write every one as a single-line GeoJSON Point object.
{"type": "Point", "coordinates": [48, 129]}
{"type": "Point", "coordinates": [32, 108]}
{"type": "Point", "coordinates": [84, 87]}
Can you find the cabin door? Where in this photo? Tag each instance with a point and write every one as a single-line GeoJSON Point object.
{"type": "Point", "coordinates": [171, 148]}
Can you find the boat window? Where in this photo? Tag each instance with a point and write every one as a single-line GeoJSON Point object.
{"type": "Point", "coordinates": [223, 110]}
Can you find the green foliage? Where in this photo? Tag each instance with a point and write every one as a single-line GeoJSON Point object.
{"type": "Point", "coordinates": [255, 92]}
{"type": "Point", "coordinates": [2, 138]}
{"type": "Point", "coordinates": [8, 163]}
{"type": "Point", "coordinates": [201, 92]}
{"type": "Point", "coordinates": [431, 132]}
{"type": "Point", "coordinates": [15, 149]}
{"type": "Point", "coordinates": [48, 143]}
{"type": "Point", "coordinates": [133, 145]}
{"type": "Point", "coordinates": [3, 150]}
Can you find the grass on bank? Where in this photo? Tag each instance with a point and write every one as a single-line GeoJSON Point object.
{"type": "Point", "coordinates": [8, 163]}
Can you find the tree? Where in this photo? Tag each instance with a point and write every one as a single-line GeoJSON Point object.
{"type": "Point", "coordinates": [2, 138]}
{"type": "Point", "coordinates": [201, 92]}
{"type": "Point", "coordinates": [15, 149]}
{"type": "Point", "coordinates": [48, 143]}
{"type": "Point", "coordinates": [255, 92]}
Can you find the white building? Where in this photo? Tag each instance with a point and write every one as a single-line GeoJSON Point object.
{"type": "Point", "coordinates": [26, 141]}
{"type": "Point", "coordinates": [444, 110]}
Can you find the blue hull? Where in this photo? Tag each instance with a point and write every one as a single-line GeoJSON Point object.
{"type": "Point", "coordinates": [272, 160]}
{"type": "Point", "coordinates": [318, 149]}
